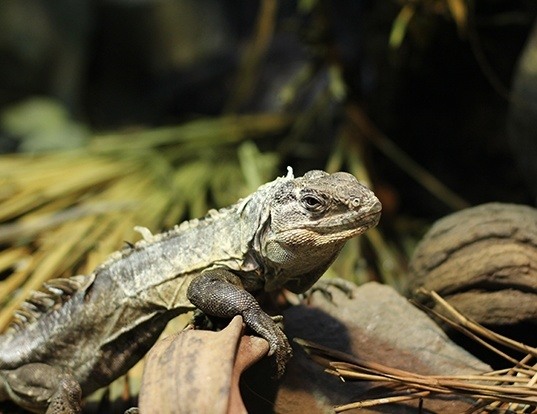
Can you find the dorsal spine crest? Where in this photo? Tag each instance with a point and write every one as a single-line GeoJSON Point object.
{"type": "Point", "coordinates": [55, 293]}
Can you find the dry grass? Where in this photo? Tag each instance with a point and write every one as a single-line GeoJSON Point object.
{"type": "Point", "coordinates": [62, 213]}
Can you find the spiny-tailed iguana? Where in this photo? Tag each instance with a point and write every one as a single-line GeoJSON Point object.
{"type": "Point", "coordinates": [81, 333]}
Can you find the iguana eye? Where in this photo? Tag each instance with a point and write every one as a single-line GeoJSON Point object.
{"type": "Point", "coordinates": [356, 202]}
{"type": "Point", "coordinates": [312, 203]}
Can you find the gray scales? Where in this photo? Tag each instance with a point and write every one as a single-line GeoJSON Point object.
{"type": "Point", "coordinates": [81, 333]}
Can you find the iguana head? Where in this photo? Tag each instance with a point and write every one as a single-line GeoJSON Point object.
{"type": "Point", "coordinates": [311, 217]}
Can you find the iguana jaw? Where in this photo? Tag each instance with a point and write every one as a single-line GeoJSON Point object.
{"type": "Point", "coordinates": [316, 236]}
{"type": "Point", "coordinates": [353, 225]}
{"type": "Point", "coordinates": [336, 228]}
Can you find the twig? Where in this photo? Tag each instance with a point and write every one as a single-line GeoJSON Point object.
{"type": "Point", "coordinates": [380, 401]}
{"type": "Point", "coordinates": [253, 55]}
{"type": "Point", "coordinates": [366, 128]}
{"type": "Point", "coordinates": [474, 326]}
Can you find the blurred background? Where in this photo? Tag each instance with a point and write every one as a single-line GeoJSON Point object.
{"type": "Point", "coordinates": [438, 78]}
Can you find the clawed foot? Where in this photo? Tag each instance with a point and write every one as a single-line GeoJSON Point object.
{"type": "Point", "coordinates": [282, 351]}
{"type": "Point", "coordinates": [267, 327]}
{"type": "Point", "coordinates": [324, 286]}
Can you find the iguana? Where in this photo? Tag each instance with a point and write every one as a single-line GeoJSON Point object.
{"type": "Point", "coordinates": [81, 333]}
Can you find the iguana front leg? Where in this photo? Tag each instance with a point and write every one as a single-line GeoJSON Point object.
{"type": "Point", "coordinates": [219, 292]}
{"type": "Point", "coordinates": [42, 388]}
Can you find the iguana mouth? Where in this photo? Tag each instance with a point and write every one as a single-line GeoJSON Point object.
{"type": "Point", "coordinates": [360, 224]}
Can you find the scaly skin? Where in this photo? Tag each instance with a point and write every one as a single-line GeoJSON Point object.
{"type": "Point", "coordinates": [86, 331]}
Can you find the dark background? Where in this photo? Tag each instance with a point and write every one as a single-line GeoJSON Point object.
{"type": "Point", "coordinates": [444, 95]}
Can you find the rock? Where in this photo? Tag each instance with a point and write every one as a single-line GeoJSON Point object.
{"type": "Point", "coordinates": [483, 260]}
{"type": "Point", "coordinates": [377, 324]}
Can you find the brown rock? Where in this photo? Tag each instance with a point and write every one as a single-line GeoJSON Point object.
{"type": "Point", "coordinates": [376, 324]}
{"type": "Point", "coordinates": [483, 260]}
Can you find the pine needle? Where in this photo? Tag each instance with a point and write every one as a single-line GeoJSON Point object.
{"type": "Point", "coordinates": [513, 389]}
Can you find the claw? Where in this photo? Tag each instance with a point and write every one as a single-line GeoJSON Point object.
{"type": "Point", "coordinates": [323, 286]}
{"type": "Point", "coordinates": [283, 355]}
{"type": "Point", "coordinates": [277, 318]}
